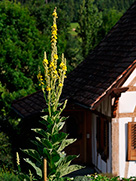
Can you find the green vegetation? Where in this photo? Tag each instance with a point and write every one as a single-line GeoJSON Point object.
{"type": "Point", "coordinates": [90, 20]}
{"type": "Point", "coordinates": [7, 176]}
{"type": "Point", "coordinates": [20, 44]}
{"type": "Point", "coordinates": [114, 4]}
{"type": "Point", "coordinates": [73, 28]}
{"type": "Point", "coordinates": [25, 34]}
{"type": "Point", "coordinates": [6, 159]}
{"type": "Point", "coordinates": [99, 177]}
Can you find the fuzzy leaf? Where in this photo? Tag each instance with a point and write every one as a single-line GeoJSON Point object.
{"type": "Point", "coordinates": [65, 143]}
{"type": "Point", "coordinates": [64, 105]}
{"type": "Point", "coordinates": [55, 157]}
{"type": "Point", "coordinates": [71, 168]}
{"type": "Point", "coordinates": [70, 158]}
{"type": "Point", "coordinates": [34, 154]}
{"type": "Point", "coordinates": [59, 137]}
{"type": "Point", "coordinates": [41, 132]}
{"type": "Point", "coordinates": [45, 117]}
{"type": "Point", "coordinates": [37, 169]}
{"type": "Point", "coordinates": [46, 153]}
{"type": "Point", "coordinates": [46, 143]}
{"type": "Point", "coordinates": [61, 125]}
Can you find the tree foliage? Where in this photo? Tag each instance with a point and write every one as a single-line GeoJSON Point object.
{"type": "Point", "coordinates": [21, 44]}
{"type": "Point", "coordinates": [121, 5]}
{"type": "Point", "coordinates": [109, 18]}
{"type": "Point", "coordinates": [90, 19]}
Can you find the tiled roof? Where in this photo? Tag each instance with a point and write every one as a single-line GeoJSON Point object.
{"type": "Point", "coordinates": [100, 71]}
{"type": "Point", "coordinates": [29, 105]}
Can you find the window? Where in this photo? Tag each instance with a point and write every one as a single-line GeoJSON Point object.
{"type": "Point", "coordinates": [132, 141]}
{"type": "Point", "coordinates": [103, 137]}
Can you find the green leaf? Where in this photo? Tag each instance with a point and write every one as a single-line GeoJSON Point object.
{"type": "Point", "coordinates": [55, 156]}
{"type": "Point", "coordinates": [65, 143]}
{"type": "Point", "coordinates": [45, 117]}
{"type": "Point", "coordinates": [65, 169]}
{"type": "Point", "coordinates": [46, 143]}
{"type": "Point", "coordinates": [41, 132]}
{"type": "Point", "coordinates": [59, 137]}
{"type": "Point", "coordinates": [37, 169]}
{"type": "Point", "coordinates": [46, 153]}
{"type": "Point", "coordinates": [70, 158]}
{"type": "Point", "coordinates": [34, 154]}
{"type": "Point", "coordinates": [61, 125]}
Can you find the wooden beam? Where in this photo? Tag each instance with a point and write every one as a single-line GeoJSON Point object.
{"type": "Point", "coordinates": [132, 82]}
{"type": "Point", "coordinates": [118, 91]}
{"type": "Point", "coordinates": [132, 88]}
{"type": "Point", "coordinates": [124, 115]}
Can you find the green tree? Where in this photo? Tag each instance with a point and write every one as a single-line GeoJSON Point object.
{"type": "Point", "coordinates": [20, 44]}
{"type": "Point", "coordinates": [73, 52]}
{"type": "Point", "coordinates": [110, 18]}
{"type": "Point", "coordinates": [121, 5]}
{"type": "Point", "coordinates": [90, 19]}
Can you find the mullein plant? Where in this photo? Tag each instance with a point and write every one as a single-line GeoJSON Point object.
{"type": "Point", "coordinates": [22, 176]}
{"type": "Point", "coordinates": [52, 141]}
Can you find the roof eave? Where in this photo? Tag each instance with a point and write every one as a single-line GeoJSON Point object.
{"type": "Point", "coordinates": [116, 84]}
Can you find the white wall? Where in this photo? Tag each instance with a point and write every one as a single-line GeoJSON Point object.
{"type": "Point", "coordinates": [127, 103]}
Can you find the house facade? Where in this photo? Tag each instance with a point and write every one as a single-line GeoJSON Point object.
{"type": "Point", "coordinates": [101, 95]}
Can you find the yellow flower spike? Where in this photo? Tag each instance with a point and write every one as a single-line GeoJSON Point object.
{"type": "Point", "coordinates": [17, 157]}
{"type": "Point", "coordinates": [51, 64]}
{"type": "Point", "coordinates": [53, 40]}
{"type": "Point", "coordinates": [54, 26]}
{"type": "Point", "coordinates": [55, 72]}
{"type": "Point", "coordinates": [53, 75]}
{"type": "Point", "coordinates": [55, 56]}
{"type": "Point", "coordinates": [39, 75]}
{"type": "Point", "coordinates": [60, 70]}
{"type": "Point", "coordinates": [45, 61]}
{"type": "Point", "coordinates": [54, 14]}
{"type": "Point", "coordinates": [54, 68]}
{"type": "Point", "coordinates": [54, 32]}
{"type": "Point", "coordinates": [64, 68]}
{"type": "Point", "coordinates": [55, 37]}
{"type": "Point", "coordinates": [48, 89]}
{"type": "Point", "coordinates": [62, 64]}
{"type": "Point", "coordinates": [60, 84]}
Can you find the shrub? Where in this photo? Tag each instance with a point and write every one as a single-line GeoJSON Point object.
{"type": "Point", "coordinates": [5, 152]}
{"type": "Point", "coordinates": [7, 176]}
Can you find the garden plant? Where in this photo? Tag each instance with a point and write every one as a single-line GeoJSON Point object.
{"type": "Point", "coordinates": [51, 142]}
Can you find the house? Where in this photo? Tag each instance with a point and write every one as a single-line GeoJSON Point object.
{"type": "Point", "coordinates": [101, 95]}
